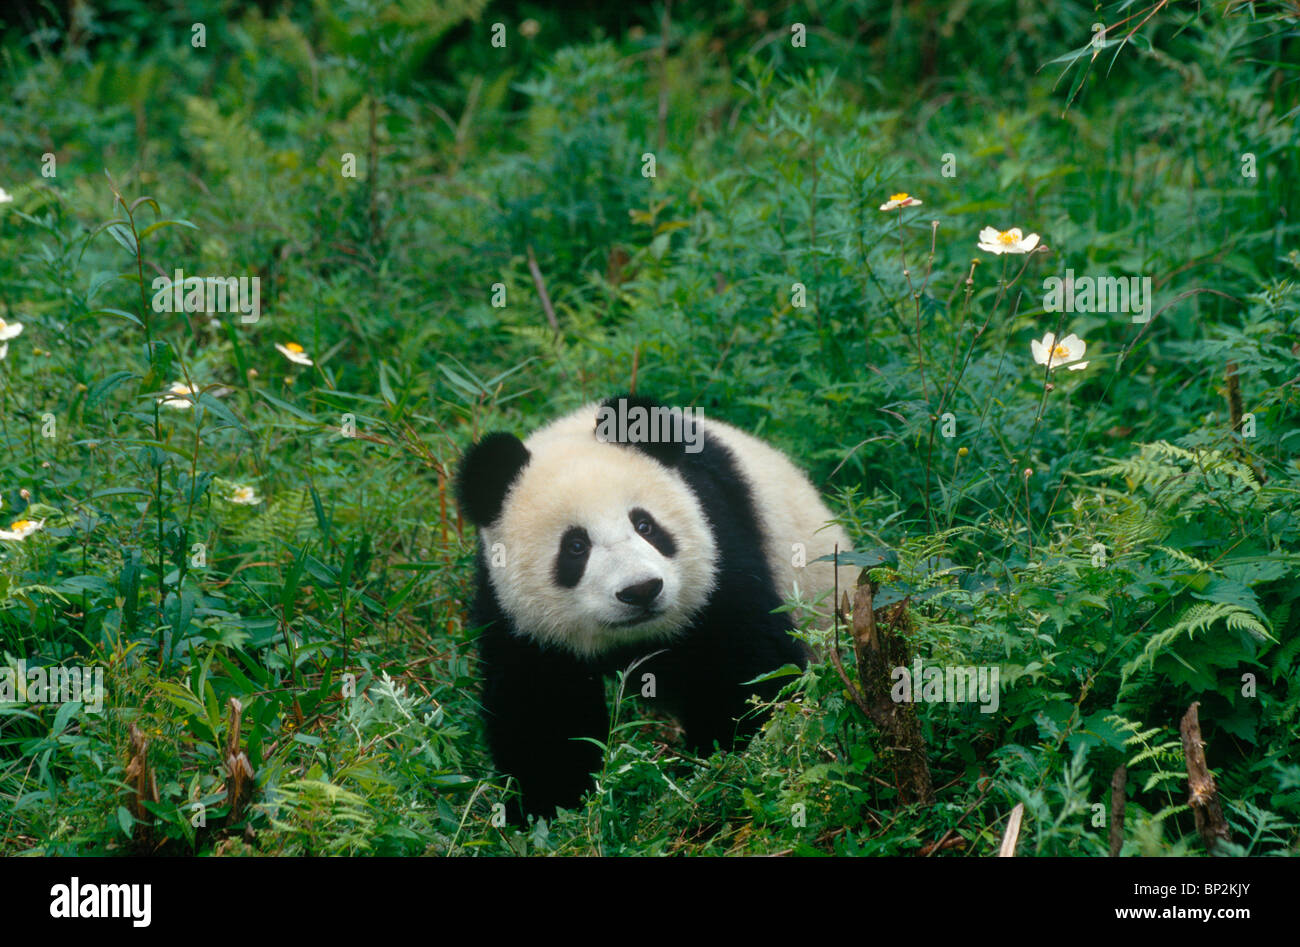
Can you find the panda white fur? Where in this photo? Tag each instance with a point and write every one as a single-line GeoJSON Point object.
{"type": "Point", "coordinates": [594, 553]}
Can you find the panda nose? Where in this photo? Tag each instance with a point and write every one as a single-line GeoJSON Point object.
{"type": "Point", "coordinates": [641, 594]}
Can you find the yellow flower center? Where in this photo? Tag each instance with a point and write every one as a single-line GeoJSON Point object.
{"type": "Point", "coordinates": [1060, 352]}
{"type": "Point", "coordinates": [900, 197]}
{"type": "Point", "coordinates": [21, 525]}
{"type": "Point", "coordinates": [1008, 236]}
{"type": "Point", "coordinates": [294, 347]}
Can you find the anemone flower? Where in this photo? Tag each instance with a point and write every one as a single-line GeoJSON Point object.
{"type": "Point", "coordinates": [294, 353]}
{"type": "Point", "coordinates": [1054, 354]}
{"type": "Point", "coordinates": [244, 496]}
{"type": "Point", "coordinates": [900, 200]}
{"type": "Point", "coordinates": [181, 396]}
{"type": "Point", "coordinates": [21, 529]}
{"type": "Point", "coordinates": [993, 240]}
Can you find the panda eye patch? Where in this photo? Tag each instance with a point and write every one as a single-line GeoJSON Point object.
{"type": "Point", "coordinates": [650, 530]}
{"type": "Point", "coordinates": [571, 560]}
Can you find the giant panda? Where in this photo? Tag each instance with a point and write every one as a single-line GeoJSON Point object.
{"type": "Point", "coordinates": [598, 547]}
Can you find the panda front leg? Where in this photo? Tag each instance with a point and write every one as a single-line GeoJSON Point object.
{"type": "Point", "coordinates": [537, 705]}
{"type": "Point", "coordinates": [705, 677]}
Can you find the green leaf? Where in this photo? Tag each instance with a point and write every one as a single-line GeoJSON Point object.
{"type": "Point", "coordinates": [97, 282]}
{"type": "Point", "coordinates": [319, 508]}
{"type": "Point", "coordinates": [119, 313]}
{"type": "Point", "coordinates": [211, 403]}
{"type": "Point", "coordinates": [143, 199]}
{"type": "Point", "coordinates": [165, 223]}
{"type": "Point", "coordinates": [123, 236]}
{"type": "Point", "coordinates": [385, 388]}
{"type": "Point", "coordinates": [66, 712]}
{"type": "Point", "coordinates": [285, 406]}
{"type": "Point", "coordinates": [183, 698]}
{"type": "Point", "coordinates": [105, 386]}
{"type": "Point", "coordinates": [120, 492]}
{"type": "Point", "coordinates": [785, 670]}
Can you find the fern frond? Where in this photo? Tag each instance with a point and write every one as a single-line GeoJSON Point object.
{"type": "Point", "coordinates": [1200, 565]}
{"type": "Point", "coordinates": [1165, 750]}
{"type": "Point", "coordinates": [1198, 617]}
{"type": "Point", "coordinates": [286, 517]}
{"type": "Point", "coordinates": [1167, 811]}
{"type": "Point", "coordinates": [1131, 524]}
{"type": "Point", "coordinates": [1142, 737]}
{"type": "Point", "coordinates": [1170, 469]}
{"type": "Point", "coordinates": [1123, 723]}
{"type": "Point", "coordinates": [1163, 776]}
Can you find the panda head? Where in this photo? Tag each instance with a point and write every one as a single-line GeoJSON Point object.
{"type": "Point", "coordinates": [589, 545]}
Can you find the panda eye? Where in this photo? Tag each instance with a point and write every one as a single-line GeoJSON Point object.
{"type": "Point", "coordinates": [644, 526]}
{"type": "Point", "coordinates": [575, 543]}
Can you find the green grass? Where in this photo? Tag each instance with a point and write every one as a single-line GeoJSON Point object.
{"type": "Point", "coordinates": [1120, 541]}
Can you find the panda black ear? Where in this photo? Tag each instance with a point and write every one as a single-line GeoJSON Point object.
{"type": "Point", "coordinates": [486, 473]}
{"type": "Point", "coordinates": [617, 423]}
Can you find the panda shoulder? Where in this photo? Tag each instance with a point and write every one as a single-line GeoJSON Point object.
{"type": "Point", "coordinates": [757, 459]}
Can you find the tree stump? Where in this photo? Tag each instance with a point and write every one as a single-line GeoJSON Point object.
{"type": "Point", "coordinates": [1203, 795]}
{"type": "Point", "coordinates": [879, 649]}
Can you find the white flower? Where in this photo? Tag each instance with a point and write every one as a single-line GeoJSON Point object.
{"type": "Point", "coordinates": [21, 529]}
{"type": "Point", "coordinates": [4, 350]}
{"type": "Point", "coordinates": [1054, 354]}
{"type": "Point", "coordinates": [244, 496]}
{"type": "Point", "coordinates": [294, 353]}
{"type": "Point", "coordinates": [902, 199]}
{"type": "Point", "coordinates": [993, 240]}
{"type": "Point", "coordinates": [5, 196]}
{"type": "Point", "coordinates": [10, 330]}
{"type": "Point", "coordinates": [181, 397]}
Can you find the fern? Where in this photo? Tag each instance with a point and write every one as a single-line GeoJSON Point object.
{"type": "Point", "coordinates": [322, 817]}
{"type": "Point", "coordinates": [283, 520]}
{"type": "Point", "coordinates": [1133, 525]}
{"type": "Point", "coordinates": [1167, 811]}
{"type": "Point", "coordinates": [1171, 471]}
{"type": "Point", "coordinates": [1198, 617]}
{"type": "Point", "coordinates": [1200, 565]}
{"type": "Point", "coordinates": [1147, 469]}
{"type": "Point", "coordinates": [919, 558]}
{"type": "Point", "coordinates": [1166, 757]}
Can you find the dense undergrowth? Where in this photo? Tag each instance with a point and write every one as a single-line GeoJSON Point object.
{"type": "Point", "coordinates": [1120, 540]}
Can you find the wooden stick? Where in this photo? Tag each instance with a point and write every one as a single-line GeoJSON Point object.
{"type": "Point", "coordinates": [1012, 836]}
{"type": "Point", "coordinates": [144, 788]}
{"type": "Point", "coordinates": [541, 291]}
{"type": "Point", "coordinates": [1204, 794]}
{"type": "Point", "coordinates": [239, 788]}
{"type": "Point", "coordinates": [1118, 780]}
{"type": "Point", "coordinates": [1234, 395]}
{"type": "Point", "coordinates": [665, 26]}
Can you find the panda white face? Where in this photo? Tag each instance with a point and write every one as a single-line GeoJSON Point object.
{"type": "Point", "coordinates": [598, 546]}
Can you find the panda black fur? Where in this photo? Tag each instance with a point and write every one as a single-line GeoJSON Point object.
{"type": "Point", "coordinates": [595, 553]}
